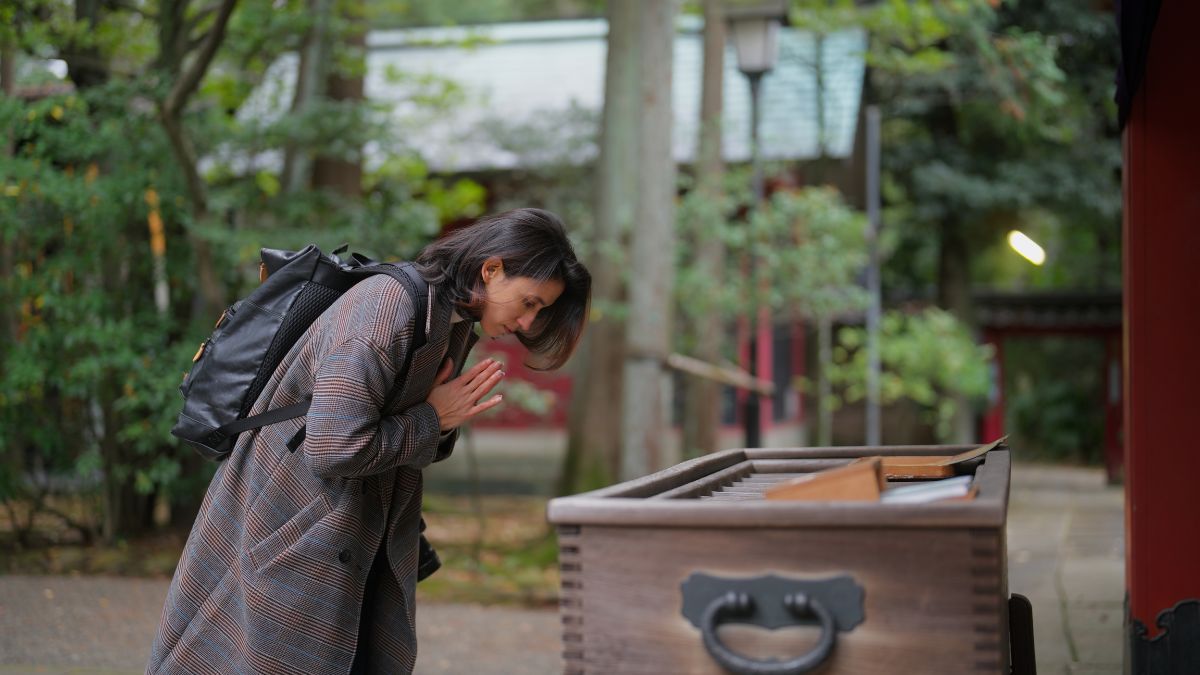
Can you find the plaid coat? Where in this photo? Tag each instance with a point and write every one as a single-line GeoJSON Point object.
{"type": "Point", "coordinates": [272, 576]}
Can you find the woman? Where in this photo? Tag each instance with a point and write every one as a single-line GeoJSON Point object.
{"type": "Point", "coordinates": [304, 560]}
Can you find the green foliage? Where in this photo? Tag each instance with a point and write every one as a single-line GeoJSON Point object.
{"type": "Point", "coordinates": [996, 115]}
{"type": "Point", "coordinates": [926, 358]}
{"type": "Point", "coordinates": [90, 372]}
{"type": "Point", "coordinates": [551, 154]}
{"type": "Point", "coordinates": [808, 248]}
{"type": "Point", "coordinates": [91, 363]}
{"type": "Point", "coordinates": [798, 255]}
{"type": "Point", "coordinates": [1054, 395]}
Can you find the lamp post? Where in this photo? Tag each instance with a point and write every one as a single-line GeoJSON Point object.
{"type": "Point", "coordinates": [754, 30]}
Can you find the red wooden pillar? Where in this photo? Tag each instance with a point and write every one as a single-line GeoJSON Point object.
{"type": "Point", "coordinates": [764, 343]}
{"type": "Point", "coordinates": [993, 419]}
{"type": "Point", "coordinates": [1162, 296]}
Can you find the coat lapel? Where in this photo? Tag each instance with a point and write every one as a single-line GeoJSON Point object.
{"type": "Point", "coordinates": [424, 362]}
{"type": "Point", "coordinates": [462, 339]}
{"type": "Point", "coordinates": [443, 340]}
{"type": "Point", "coordinates": [422, 368]}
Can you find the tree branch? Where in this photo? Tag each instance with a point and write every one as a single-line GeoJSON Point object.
{"type": "Point", "coordinates": [196, 42]}
{"type": "Point", "coordinates": [725, 374]}
{"type": "Point", "coordinates": [201, 15]}
{"type": "Point", "coordinates": [187, 83]}
{"type": "Point", "coordinates": [132, 7]}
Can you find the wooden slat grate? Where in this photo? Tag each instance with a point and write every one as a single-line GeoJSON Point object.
{"type": "Point", "coordinates": [751, 487]}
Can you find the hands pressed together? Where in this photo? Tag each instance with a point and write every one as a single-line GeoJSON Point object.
{"type": "Point", "coordinates": [460, 399]}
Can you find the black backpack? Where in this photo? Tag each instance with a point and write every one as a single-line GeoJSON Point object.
{"type": "Point", "coordinates": [252, 336]}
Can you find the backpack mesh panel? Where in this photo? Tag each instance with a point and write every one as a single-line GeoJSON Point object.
{"type": "Point", "coordinates": [310, 302]}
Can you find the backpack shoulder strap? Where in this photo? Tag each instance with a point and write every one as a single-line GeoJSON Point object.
{"type": "Point", "coordinates": [418, 289]}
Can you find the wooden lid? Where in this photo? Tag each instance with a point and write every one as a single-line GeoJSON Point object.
{"type": "Point", "coordinates": [718, 490]}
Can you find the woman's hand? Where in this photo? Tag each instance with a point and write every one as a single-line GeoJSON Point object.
{"type": "Point", "coordinates": [458, 400]}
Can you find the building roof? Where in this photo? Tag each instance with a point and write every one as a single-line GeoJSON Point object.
{"type": "Point", "coordinates": [1048, 310]}
{"type": "Point", "coordinates": [520, 72]}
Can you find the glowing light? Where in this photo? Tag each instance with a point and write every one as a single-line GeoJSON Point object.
{"type": "Point", "coordinates": [57, 67]}
{"type": "Point", "coordinates": [1027, 247]}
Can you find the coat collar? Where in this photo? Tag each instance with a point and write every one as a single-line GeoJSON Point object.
{"type": "Point", "coordinates": [426, 359]}
{"type": "Point", "coordinates": [438, 325]}
{"type": "Point", "coordinates": [438, 311]}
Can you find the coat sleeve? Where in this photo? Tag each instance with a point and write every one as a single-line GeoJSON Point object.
{"type": "Point", "coordinates": [346, 434]}
{"type": "Point", "coordinates": [446, 444]}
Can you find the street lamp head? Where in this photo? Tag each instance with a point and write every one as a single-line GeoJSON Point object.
{"type": "Point", "coordinates": [754, 29]}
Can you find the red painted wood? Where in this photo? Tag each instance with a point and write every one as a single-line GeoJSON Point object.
{"type": "Point", "coordinates": [1162, 294]}
{"type": "Point", "coordinates": [799, 365]}
{"type": "Point", "coordinates": [993, 419]}
{"type": "Point", "coordinates": [556, 384]}
{"type": "Point", "coordinates": [765, 359]}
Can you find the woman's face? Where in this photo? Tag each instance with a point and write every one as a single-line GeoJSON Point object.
{"type": "Point", "coordinates": [512, 303]}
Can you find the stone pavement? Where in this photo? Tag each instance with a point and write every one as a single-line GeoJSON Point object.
{"type": "Point", "coordinates": [1066, 554]}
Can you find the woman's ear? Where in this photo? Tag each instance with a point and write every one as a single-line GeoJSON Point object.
{"type": "Point", "coordinates": [492, 270]}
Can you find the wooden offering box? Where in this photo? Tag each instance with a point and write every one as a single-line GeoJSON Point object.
{"type": "Point", "coordinates": [690, 570]}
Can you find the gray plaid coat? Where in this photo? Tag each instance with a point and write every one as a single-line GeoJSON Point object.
{"type": "Point", "coordinates": [272, 577]}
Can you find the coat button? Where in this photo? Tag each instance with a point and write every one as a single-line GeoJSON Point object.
{"type": "Point", "coordinates": [344, 556]}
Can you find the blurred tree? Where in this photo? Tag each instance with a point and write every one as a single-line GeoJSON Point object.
{"type": "Point", "coordinates": [188, 39]}
{"type": "Point", "coordinates": [593, 449]}
{"type": "Point", "coordinates": [312, 75]}
{"type": "Point", "coordinates": [646, 385]}
{"type": "Point", "coordinates": [929, 358]}
{"type": "Point", "coordinates": [807, 245]}
{"type": "Point", "coordinates": [341, 170]}
{"type": "Point", "coordinates": [102, 189]}
{"type": "Point", "coordinates": [997, 116]}
{"type": "Point", "coordinates": [89, 376]}
{"type": "Point", "coordinates": [1054, 395]}
{"type": "Point", "coordinates": [702, 414]}
{"type": "Point", "coordinates": [330, 74]}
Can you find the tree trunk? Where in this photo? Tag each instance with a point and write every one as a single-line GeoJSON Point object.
{"type": "Point", "coordinates": [85, 64]}
{"type": "Point", "coordinates": [174, 40]}
{"type": "Point", "coordinates": [954, 295]}
{"type": "Point", "coordinates": [8, 81]}
{"type": "Point", "coordinates": [210, 300]}
{"type": "Point", "coordinates": [8, 306]}
{"type": "Point", "coordinates": [702, 417]}
{"type": "Point", "coordinates": [344, 175]}
{"type": "Point", "coordinates": [311, 81]}
{"type": "Point", "coordinates": [172, 35]}
{"type": "Point", "coordinates": [645, 421]}
{"type": "Point", "coordinates": [8, 84]}
{"type": "Point", "coordinates": [593, 449]}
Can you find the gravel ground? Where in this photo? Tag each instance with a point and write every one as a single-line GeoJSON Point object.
{"type": "Point", "coordinates": [94, 625]}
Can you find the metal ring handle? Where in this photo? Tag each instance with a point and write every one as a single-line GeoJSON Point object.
{"type": "Point", "coordinates": [741, 604]}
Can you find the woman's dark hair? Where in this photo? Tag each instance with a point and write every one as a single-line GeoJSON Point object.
{"type": "Point", "coordinates": [530, 243]}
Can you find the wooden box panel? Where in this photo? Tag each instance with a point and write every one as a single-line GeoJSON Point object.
{"type": "Point", "coordinates": [934, 575]}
